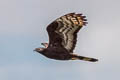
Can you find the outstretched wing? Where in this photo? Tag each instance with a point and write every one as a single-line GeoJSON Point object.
{"type": "Point", "coordinates": [63, 31]}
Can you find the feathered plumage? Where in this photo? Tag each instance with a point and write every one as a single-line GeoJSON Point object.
{"type": "Point", "coordinates": [63, 37]}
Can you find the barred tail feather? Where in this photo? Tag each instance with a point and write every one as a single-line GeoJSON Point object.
{"type": "Point", "coordinates": [84, 58]}
{"type": "Point", "coordinates": [87, 59]}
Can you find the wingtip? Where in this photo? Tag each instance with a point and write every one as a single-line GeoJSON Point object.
{"type": "Point", "coordinates": [82, 17]}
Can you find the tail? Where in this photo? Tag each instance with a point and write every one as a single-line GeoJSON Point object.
{"type": "Point", "coordinates": [76, 57]}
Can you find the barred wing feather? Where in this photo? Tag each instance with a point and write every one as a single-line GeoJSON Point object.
{"type": "Point", "coordinates": [63, 31]}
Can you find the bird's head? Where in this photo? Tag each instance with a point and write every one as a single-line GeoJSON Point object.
{"type": "Point", "coordinates": [40, 50]}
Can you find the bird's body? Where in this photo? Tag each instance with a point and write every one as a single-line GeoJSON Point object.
{"type": "Point", "coordinates": [58, 55]}
{"type": "Point", "coordinates": [63, 37]}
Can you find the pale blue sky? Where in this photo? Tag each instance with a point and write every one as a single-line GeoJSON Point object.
{"type": "Point", "coordinates": [23, 27]}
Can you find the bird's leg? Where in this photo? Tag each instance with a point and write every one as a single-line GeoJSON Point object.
{"type": "Point", "coordinates": [45, 44]}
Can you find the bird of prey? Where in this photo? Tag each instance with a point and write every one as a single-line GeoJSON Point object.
{"type": "Point", "coordinates": [63, 37]}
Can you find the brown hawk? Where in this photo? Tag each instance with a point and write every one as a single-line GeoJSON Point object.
{"type": "Point", "coordinates": [63, 37]}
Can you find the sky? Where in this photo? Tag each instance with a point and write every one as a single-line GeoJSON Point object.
{"type": "Point", "coordinates": [23, 28]}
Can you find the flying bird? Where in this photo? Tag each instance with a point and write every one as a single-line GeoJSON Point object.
{"type": "Point", "coordinates": [63, 37]}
